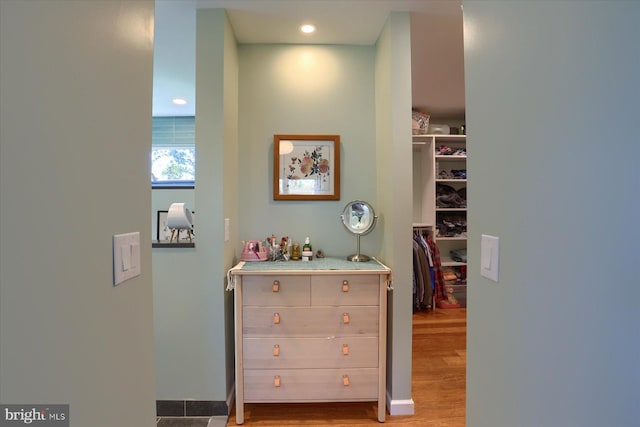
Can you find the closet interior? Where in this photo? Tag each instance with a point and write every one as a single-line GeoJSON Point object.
{"type": "Point", "coordinates": [439, 221]}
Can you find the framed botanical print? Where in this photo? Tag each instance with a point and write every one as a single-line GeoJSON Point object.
{"type": "Point", "coordinates": [306, 167]}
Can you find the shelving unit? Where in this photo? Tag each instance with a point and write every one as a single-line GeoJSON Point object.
{"type": "Point", "coordinates": [424, 203]}
{"type": "Point", "coordinates": [427, 166]}
{"type": "Point", "coordinates": [434, 171]}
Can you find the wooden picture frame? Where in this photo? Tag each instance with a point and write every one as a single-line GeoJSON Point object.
{"type": "Point", "coordinates": [306, 167]}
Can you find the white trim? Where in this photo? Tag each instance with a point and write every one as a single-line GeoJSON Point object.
{"type": "Point", "coordinates": [231, 397]}
{"type": "Point", "coordinates": [400, 406]}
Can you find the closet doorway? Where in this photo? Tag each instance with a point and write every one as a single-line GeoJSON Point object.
{"type": "Point", "coordinates": [439, 333]}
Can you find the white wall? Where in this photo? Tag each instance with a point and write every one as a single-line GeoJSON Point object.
{"type": "Point", "coordinates": [75, 108]}
{"type": "Point", "coordinates": [306, 89]}
{"type": "Point", "coordinates": [394, 178]}
{"type": "Point", "coordinates": [552, 92]}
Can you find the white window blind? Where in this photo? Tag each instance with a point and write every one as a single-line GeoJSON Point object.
{"type": "Point", "coordinates": [173, 151]}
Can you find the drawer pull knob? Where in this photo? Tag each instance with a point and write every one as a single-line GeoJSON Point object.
{"type": "Point", "coordinates": [345, 349]}
{"type": "Point", "coordinates": [345, 318]}
{"type": "Point", "coordinates": [276, 318]}
{"type": "Point", "coordinates": [276, 286]}
{"type": "Point", "coordinates": [276, 381]}
{"type": "Point", "coordinates": [345, 380]}
{"type": "Point", "coordinates": [276, 350]}
{"type": "Point", "coordinates": [345, 286]}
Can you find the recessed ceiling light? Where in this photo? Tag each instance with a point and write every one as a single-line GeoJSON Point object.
{"type": "Point", "coordinates": [307, 28]}
{"type": "Point", "coordinates": [179, 101]}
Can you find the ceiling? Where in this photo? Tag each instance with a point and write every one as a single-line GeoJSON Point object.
{"type": "Point", "coordinates": [436, 39]}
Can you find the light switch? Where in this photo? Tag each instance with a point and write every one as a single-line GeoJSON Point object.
{"type": "Point", "coordinates": [126, 257]}
{"type": "Point", "coordinates": [135, 255]}
{"type": "Point", "coordinates": [226, 229]}
{"type": "Point", "coordinates": [125, 254]}
{"type": "Point", "coordinates": [489, 257]}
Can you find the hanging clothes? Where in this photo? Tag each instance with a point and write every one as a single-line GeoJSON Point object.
{"type": "Point", "coordinates": [437, 269]}
{"type": "Point", "coordinates": [423, 285]}
{"type": "Point", "coordinates": [428, 279]}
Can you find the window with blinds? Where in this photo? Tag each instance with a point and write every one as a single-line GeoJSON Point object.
{"type": "Point", "coordinates": [173, 152]}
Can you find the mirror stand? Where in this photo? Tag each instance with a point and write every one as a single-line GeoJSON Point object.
{"type": "Point", "coordinates": [357, 257]}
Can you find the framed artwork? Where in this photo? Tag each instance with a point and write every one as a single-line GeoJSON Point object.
{"type": "Point", "coordinates": [306, 167]}
{"type": "Point", "coordinates": [163, 232]}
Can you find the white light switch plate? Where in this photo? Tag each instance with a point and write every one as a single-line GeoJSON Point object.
{"type": "Point", "coordinates": [489, 257]}
{"type": "Point", "coordinates": [126, 257]}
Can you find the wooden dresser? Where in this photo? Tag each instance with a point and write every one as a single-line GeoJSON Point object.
{"type": "Point", "coordinates": [310, 332]}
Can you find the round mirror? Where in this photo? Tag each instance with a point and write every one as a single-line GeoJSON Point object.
{"type": "Point", "coordinates": [359, 218]}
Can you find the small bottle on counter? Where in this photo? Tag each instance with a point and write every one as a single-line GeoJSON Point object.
{"type": "Point", "coordinates": [296, 252]}
{"type": "Point", "coordinates": [307, 250]}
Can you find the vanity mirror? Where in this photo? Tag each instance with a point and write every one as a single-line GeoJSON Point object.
{"type": "Point", "coordinates": [359, 218]}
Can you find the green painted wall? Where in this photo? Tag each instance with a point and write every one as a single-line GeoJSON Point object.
{"type": "Point", "coordinates": [306, 89]}
{"type": "Point", "coordinates": [393, 186]}
{"type": "Point", "coordinates": [75, 137]}
{"type": "Point", "coordinates": [245, 95]}
{"type": "Point", "coordinates": [192, 310]}
{"type": "Point", "coordinates": [552, 91]}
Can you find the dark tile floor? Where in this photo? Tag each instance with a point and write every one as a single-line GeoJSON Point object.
{"type": "Point", "coordinates": [220, 421]}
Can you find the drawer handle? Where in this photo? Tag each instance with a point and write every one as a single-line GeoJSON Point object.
{"type": "Point", "coordinates": [276, 318]}
{"type": "Point", "coordinates": [276, 381]}
{"type": "Point", "coordinates": [345, 380]}
{"type": "Point", "coordinates": [345, 286]}
{"type": "Point", "coordinates": [276, 350]}
{"type": "Point", "coordinates": [276, 286]}
{"type": "Point", "coordinates": [345, 318]}
{"type": "Point", "coordinates": [345, 349]}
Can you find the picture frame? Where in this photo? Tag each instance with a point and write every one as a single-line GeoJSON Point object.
{"type": "Point", "coordinates": [306, 167]}
{"type": "Point", "coordinates": [163, 232]}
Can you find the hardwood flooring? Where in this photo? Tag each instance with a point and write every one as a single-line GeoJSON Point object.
{"type": "Point", "coordinates": [438, 384]}
{"type": "Point", "coordinates": [439, 368]}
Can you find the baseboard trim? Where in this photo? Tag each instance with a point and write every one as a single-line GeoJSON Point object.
{"type": "Point", "coordinates": [400, 406]}
{"type": "Point", "coordinates": [231, 398]}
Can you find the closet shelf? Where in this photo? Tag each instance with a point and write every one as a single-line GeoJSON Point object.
{"type": "Point", "coordinates": [423, 225]}
{"type": "Point", "coordinates": [451, 209]}
{"type": "Point", "coordinates": [441, 137]}
{"type": "Point", "coordinates": [450, 238]}
{"type": "Point", "coordinates": [448, 262]}
{"type": "Point", "coordinates": [452, 180]}
{"type": "Point", "coordinates": [450, 157]}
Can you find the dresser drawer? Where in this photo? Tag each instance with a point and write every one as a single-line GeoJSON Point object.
{"type": "Point", "coordinates": [276, 290]}
{"type": "Point", "coordinates": [303, 385]}
{"type": "Point", "coordinates": [347, 352]}
{"type": "Point", "coordinates": [309, 321]}
{"type": "Point", "coordinates": [345, 290]}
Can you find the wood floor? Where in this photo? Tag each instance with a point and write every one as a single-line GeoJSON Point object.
{"type": "Point", "coordinates": [438, 384]}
